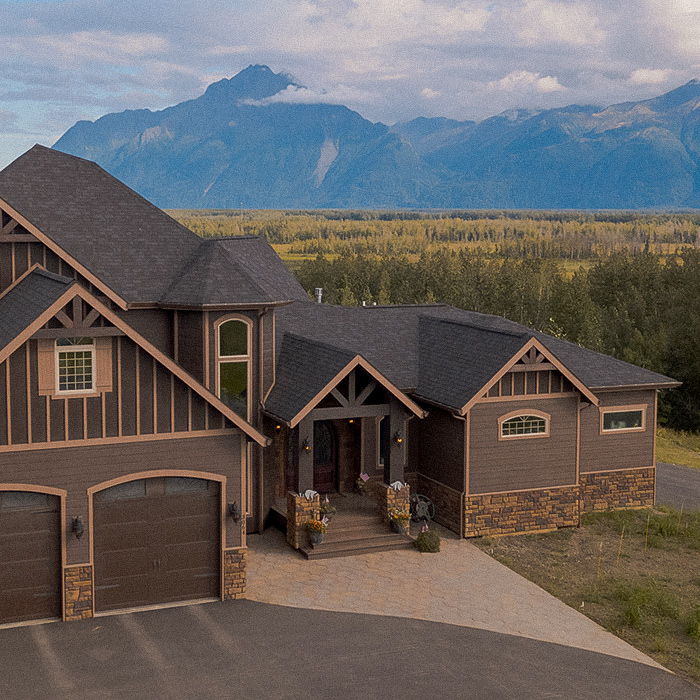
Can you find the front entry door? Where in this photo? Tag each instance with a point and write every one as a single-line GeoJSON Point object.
{"type": "Point", "coordinates": [325, 457]}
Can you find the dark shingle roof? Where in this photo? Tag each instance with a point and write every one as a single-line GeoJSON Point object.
{"type": "Point", "coordinates": [225, 271]}
{"type": "Point", "coordinates": [474, 347]}
{"type": "Point", "coordinates": [305, 367]}
{"type": "Point", "coordinates": [456, 360]}
{"type": "Point", "coordinates": [27, 300]}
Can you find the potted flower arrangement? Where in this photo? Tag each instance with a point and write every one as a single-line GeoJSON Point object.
{"type": "Point", "coordinates": [327, 509]}
{"type": "Point", "coordinates": [361, 481]}
{"type": "Point", "coordinates": [399, 520]}
{"type": "Point", "coordinates": [315, 529]}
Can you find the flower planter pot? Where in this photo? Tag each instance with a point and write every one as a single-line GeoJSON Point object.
{"type": "Point", "coordinates": [398, 526]}
{"type": "Point", "coordinates": [315, 538]}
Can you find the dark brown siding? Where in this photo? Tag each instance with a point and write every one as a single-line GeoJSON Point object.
{"type": "Point", "coordinates": [81, 418]}
{"type": "Point", "coordinates": [441, 439]}
{"type": "Point", "coordinates": [622, 450]}
{"type": "Point", "coordinates": [522, 463]}
{"type": "Point", "coordinates": [155, 325]}
{"type": "Point", "coordinates": [190, 343]}
{"type": "Point", "coordinates": [78, 468]}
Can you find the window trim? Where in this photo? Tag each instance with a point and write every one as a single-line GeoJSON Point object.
{"type": "Point", "coordinates": [525, 436]}
{"type": "Point", "coordinates": [623, 409]}
{"type": "Point", "coordinates": [225, 359]}
{"type": "Point", "coordinates": [58, 349]}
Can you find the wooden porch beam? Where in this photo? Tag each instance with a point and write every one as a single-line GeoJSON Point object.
{"type": "Point", "coordinates": [380, 409]}
{"type": "Point", "coordinates": [366, 392]}
{"type": "Point", "coordinates": [339, 397]}
{"type": "Point", "coordinates": [535, 367]}
{"type": "Point", "coordinates": [65, 319]}
{"type": "Point", "coordinates": [98, 332]}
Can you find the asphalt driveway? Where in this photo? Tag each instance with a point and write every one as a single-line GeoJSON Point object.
{"type": "Point", "coordinates": [677, 486]}
{"type": "Point", "coordinates": [247, 650]}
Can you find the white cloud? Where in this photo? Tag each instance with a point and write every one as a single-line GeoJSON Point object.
{"type": "Point", "coordinates": [649, 76]}
{"type": "Point", "coordinates": [293, 94]}
{"type": "Point", "coordinates": [429, 94]}
{"type": "Point", "coordinates": [523, 80]}
{"type": "Point", "coordinates": [545, 21]}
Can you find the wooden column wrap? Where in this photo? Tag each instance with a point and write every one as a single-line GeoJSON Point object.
{"type": "Point", "coordinates": [235, 561]}
{"type": "Point", "coordinates": [629, 488]}
{"type": "Point", "coordinates": [299, 511]}
{"type": "Point", "coordinates": [78, 592]}
{"type": "Point", "coordinates": [521, 511]}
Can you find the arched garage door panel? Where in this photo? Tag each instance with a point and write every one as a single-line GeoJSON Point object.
{"type": "Point", "coordinates": [30, 556]}
{"type": "Point", "coordinates": [156, 541]}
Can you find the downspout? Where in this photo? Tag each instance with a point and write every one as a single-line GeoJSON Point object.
{"type": "Point", "coordinates": [259, 450]}
{"type": "Point", "coordinates": [465, 470]}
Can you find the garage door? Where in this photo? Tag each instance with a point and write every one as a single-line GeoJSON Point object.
{"type": "Point", "coordinates": [30, 556]}
{"type": "Point", "coordinates": [156, 541]}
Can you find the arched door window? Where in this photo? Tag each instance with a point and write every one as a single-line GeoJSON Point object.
{"type": "Point", "coordinates": [233, 365]}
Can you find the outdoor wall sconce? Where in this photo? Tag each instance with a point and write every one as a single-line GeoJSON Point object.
{"type": "Point", "coordinates": [234, 511]}
{"type": "Point", "coordinates": [77, 527]}
{"type": "Point", "coordinates": [351, 421]}
{"type": "Point", "coordinates": [278, 427]}
{"type": "Point", "coordinates": [398, 438]}
{"type": "Point", "coordinates": [306, 445]}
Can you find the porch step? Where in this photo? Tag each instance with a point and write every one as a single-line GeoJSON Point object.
{"type": "Point", "coordinates": [350, 534]}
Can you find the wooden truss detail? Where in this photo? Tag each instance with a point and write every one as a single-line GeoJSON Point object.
{"type": "Point", "coordinates": [78, 317]}
{"type": "Point", "coordinates": [11, 231]}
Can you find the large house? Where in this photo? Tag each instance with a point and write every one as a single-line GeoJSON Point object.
{"type": "Point", "coordinates": [160, 395]}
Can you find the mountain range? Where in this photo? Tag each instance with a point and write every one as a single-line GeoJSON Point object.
{"type": "Point", "coordinates": [244, 143]}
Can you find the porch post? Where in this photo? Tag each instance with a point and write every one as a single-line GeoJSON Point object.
{"type": "Point", "coordinates": [397, 442]}
{"type": "Point", "coordinates": [306, 457]}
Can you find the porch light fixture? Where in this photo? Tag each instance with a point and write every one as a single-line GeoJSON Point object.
{"type": "Point", "coordinates": [77, 527]}
{"type": "Point", "coordinates": [234, 511]}
{"type": "Point", "coordinates": [398, 438]}
{"type": "Point", "coordinates": [278, 427]}
{"type": "Point", "coordinates": [306, 445]}
{"type": "Point", "coordinates": [351, 421]}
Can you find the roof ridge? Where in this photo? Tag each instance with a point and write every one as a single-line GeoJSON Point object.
{"type": "Point", "coordinates": [471, 324]}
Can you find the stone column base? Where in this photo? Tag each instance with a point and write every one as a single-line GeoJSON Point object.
{"type": "Point", "coordinates": [78, 592]}
{"type": "Point", "coordinates": [299, 511]}
{"type": "Point", "coordinates": [234, 573]}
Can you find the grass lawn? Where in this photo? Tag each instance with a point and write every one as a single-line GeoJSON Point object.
{"type": "Point", "coordinates": [675, 447]}
{"type": "Point", "coordinates": [642, 585]}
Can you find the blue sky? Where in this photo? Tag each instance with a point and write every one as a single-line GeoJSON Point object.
{"type": "Point", "coordinates": [391, 60]}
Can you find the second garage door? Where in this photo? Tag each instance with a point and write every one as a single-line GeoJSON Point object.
{"type": "Point", "coordinates": [156, 541]}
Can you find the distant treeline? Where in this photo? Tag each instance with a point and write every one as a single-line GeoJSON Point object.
{"type": "Point", "coordinates": [554, 235]}
{"type": "Point", "coordinates": [618, 283]}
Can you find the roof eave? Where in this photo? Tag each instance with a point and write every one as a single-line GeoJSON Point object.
{"type": "Point", "coordinates": [636, 387]}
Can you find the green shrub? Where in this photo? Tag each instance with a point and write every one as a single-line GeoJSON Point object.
{"type": "Point", "coordinates": [692, 626]}
{"type": "Point", "coordinates": [428, 541]}
{"type": "Point", "coordinates": [647, 599]}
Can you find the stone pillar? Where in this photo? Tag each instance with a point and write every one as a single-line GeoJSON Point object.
{"type": "Point", "coordinates": [234, 573]}
{"type": "Point", "coordinates": [78, 592]}
{"type": "Point", "coordinates": [306, 457]}
{"type": "Point", "coordinates": [398, 500]}
{"type": "Point", "coordinates": [299, 511]}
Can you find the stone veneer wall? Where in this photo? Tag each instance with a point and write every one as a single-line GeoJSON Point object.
{"type": "Point", "coordinates": [387, 498]}
{"type": "Point", "coordinates": [234, 573]}
{"type": "Point", "coordinates": [77, 582]}
{"type": "Point", "coordinates": [521, 511]}
{"type": "Point", "coordinates": [447, 502]}
{"type": "Point", "coordinates": [631, 488]}
{"type": "Point", "coordinates": [299, 511]}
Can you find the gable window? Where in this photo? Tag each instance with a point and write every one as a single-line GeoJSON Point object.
{"type": "Point", "coordinates": [524, 424]}
{"type": "Point", "coordinates": [75, 365]}
{"type": "Point", "coordinates": [233, 365]}
{"type": "Point", "coordinates": [620, 419]}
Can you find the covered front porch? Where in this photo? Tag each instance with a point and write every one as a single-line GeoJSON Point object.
{"type": "Point", "coordinates": [347, 445]}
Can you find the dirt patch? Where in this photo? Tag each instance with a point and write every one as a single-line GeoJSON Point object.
{"type": "Point", "coordinates": [635, 572]}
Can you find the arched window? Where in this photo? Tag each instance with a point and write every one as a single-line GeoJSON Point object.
{"type": "Point", "coordinates": [521, 424]}
{"type": "Point", "coordinates": [233, 365]}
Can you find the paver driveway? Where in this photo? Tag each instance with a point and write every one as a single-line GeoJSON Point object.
{"type": "Point", "coordinates": [461, 585]}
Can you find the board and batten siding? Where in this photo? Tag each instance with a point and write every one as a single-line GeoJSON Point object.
{"type": "Point", "coordinates": [609, 451]}
{"type": "Point", "coordinates": [76, 469]}
{"type": "Point", "coordinates": [497, 465]}
{"type": "Point", "coordinates": [440, 448]}
{"type": "Point", "coordinates": [145, 399]}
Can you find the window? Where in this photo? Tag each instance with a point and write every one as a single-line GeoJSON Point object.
{"type": "Point", "coordinates": [623, 419]}
{"type": "Point", "coordinates": [524, 424]}
{"type": "Point", "coordinates": [75, 361]}
{"type": "Point", "coordinates": [233, 365]}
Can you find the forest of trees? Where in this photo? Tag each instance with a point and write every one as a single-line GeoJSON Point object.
{"type": "Point", "coordinates": [621, 284]}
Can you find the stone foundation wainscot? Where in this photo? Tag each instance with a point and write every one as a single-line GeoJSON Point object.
{"type": "Point", "coordinates": [521, 511]}
{"type": "Point", "coordinates": [234, 573]}
{"type": "Point", "coordinates": [447, 502]}
{"type": "Point", "coordinates": [387, 498]}
{"type": "Point", "coordinates": [77, 581]}
{"type": "Point", "coordinates": [299, 511]}
{"type": "Point", "coordinates": [629, 488]}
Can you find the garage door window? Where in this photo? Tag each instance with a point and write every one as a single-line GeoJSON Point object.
{"type": "Point", "coordinates": [13, 500]}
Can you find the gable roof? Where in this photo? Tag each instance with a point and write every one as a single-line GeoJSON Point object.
{"type": "Point", "coordinates": [244, 270]}
{"type": "Point", "coordinates": [308, 370]}
{"type": "Point", "coordinates": [405, 344]}
{"type": "Point", "coordinates": [53, 292]}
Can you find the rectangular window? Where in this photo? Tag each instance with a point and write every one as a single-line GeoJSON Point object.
{"type": "Point", "coordinates": [75, 359]}
{"type": "Point", "coordinates": [622, 420]}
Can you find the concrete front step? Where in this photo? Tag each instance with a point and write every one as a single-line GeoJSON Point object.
{"type": "Point", "coordinates": [348, 548]}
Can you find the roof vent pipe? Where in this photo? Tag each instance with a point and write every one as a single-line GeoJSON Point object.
{"type": "Point", "coordinates": [319, 294]}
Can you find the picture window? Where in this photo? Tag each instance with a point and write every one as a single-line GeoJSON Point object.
{"type": "Point", "coordinates": [75, 360]}
{"type": "Point", "coordinates": [524, 425]}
